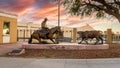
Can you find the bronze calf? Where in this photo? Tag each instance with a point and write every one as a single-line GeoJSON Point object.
{"type": "Point", "coordinates": [85, 35]}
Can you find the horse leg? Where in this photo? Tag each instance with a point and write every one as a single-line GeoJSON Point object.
{"type": "Point", "coordinates": [101, 40]}
{"type": "Point", "coordinates": [53, 41]}
{"type": "Point", "coordinates": [39, 40]}
{"type": "Point", "coordinates": [81, 41]}
{"type": "Point", "coordinates": [86, 41]}
{"type": "Point", "coordinates": [30, 40]}
{"type": "Point", "coordinates": [97, 40]}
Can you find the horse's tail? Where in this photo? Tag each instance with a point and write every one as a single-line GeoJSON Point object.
{"type": "Point", "coordinates": [30, 40]}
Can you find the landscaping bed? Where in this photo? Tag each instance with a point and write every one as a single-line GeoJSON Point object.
{"type": "Point", "coordinates": [112, 52]}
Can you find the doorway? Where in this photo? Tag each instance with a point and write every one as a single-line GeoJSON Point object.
{"type": "Point", "coordinates": [6, 32]}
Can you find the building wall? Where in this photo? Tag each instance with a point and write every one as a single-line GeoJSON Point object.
{"type": "Point", "coordinates": [13, 32]}
{"type": "Point", "coordinates": [1, 29]}
{"type": "Point", "coordinates": [13, 28]}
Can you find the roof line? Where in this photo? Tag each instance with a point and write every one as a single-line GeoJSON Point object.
{"type": "Point", "coordinates": [8, 13]}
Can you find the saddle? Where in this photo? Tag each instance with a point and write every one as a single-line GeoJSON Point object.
{"type": "Point", "coordinates": [44, 31]}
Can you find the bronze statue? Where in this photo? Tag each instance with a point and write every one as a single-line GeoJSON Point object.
{"type": "Point", "coordinates": [45, 29]}
{"type": "Point", "coordinates": [43, 25]}
{"type": "Point", "coordinates": [38, 34]}
{"type": "Point", "coordinates": [85, 35]}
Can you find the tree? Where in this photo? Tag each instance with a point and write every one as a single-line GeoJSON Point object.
{"type": "Point", "coordinates": [88, 7]}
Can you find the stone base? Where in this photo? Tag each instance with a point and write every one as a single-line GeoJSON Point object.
{"type": "Point", "coordinates": [65, 46]}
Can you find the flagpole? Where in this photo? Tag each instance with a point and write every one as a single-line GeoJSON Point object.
{"type": "Point", "coordinates": [58, 18]}
{"type": "Point", "coordinates": [58, 13]}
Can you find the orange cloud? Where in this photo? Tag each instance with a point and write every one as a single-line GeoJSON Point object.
{"type": "Point", "coordinates": [50, 11]}
{"type": "Point", "coordinates": [17, 6]}
{"type": "Point", "coordinates": [23, 5]}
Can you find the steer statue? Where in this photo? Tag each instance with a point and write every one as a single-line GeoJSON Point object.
{"type": "Point", "coordinates": [85, 35]}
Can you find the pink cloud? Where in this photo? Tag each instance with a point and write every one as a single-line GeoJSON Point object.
{"type": "Point", "coordinates": [19, 6]}
{"type": "Point", "coordinates": [50, 11]}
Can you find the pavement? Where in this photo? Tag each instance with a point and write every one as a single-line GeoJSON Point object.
{"type": "Point", "coordinates": [5, 48]}
{"type": "Point", "coordinates": [6, 62]}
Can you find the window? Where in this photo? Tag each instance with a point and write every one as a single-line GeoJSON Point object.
{"type": "Point", "coordinates": [6, 28]}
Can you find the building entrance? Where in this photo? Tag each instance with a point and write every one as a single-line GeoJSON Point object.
{"type": "Point", "coordinates": [6, 32]}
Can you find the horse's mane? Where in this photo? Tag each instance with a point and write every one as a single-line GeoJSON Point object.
{"type": "Point", "coordinates": [53, 29]}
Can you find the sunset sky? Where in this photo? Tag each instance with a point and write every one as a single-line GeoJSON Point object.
{"type": "Point", "coordinates": [36, 10]}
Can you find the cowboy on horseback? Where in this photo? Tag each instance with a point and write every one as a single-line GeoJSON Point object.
{"type": "Point", "coordinates": [45, 29]}
{"type": "Point", "coordinates": [43, 25]}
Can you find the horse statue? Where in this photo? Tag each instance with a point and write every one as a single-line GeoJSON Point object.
{"type": "Point", "coordinates": [39, 34]}
{"type": "Point", "coordinates": [85, 35]}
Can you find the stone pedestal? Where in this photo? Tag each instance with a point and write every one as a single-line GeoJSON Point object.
{"type": "Point", "coordinates": [65, 46]}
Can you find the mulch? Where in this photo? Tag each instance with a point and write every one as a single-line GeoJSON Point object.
{"type": "Point", "coordinates": [112, 52]}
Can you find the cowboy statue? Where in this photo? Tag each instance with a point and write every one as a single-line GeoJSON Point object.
{"type": "Point", "coordinates": [43, 24]}
{"type": "Point", "coordinates": [45, 29]}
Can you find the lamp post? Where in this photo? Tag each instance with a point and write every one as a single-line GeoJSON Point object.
{"type": "Point", "coordinates": [58, 13]}
{"type": "Point", "coordinates": [58, 20]}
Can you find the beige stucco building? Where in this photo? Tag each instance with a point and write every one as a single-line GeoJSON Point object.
{"type": "Point", "coordinates": [8, 27]}
{"type": "Point", "coordinates": [25, 30]}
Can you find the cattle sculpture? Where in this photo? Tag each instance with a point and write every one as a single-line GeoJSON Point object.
{"type": "Point", "coordinates": [85, 35]}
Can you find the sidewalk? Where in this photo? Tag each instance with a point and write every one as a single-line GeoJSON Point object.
{"type": "Point", "coordinates": [58, 63]}
{"type": "Point", "coordinates": [5, 48]}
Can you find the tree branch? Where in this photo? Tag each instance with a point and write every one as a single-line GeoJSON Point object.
{"type": "Point", "coordinates": [106, 10]}
{"type": "Point", "coordinates": [110, 7]}
{"type": "Point", "coordinates": [100, 1]}
{"type": "Point", "coordinates": [95, 6]}
{"type": "Point", "coordinates": [117, 2]}
{"type": "Point", "coordinates": [89, 1]}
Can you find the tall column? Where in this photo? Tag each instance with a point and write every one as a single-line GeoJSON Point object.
{"type": "Point", "coordinates": [74, 35]}
{"type": "Point", "coordinates": [1, 30]}
{"type": "Point", "coordinates": [109, 36]}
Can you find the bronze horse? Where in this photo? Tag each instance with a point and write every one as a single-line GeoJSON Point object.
{"type": "Point", "coordinates": [38, 35]}
{"type": "Point", "coordinates": [85, 35]}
